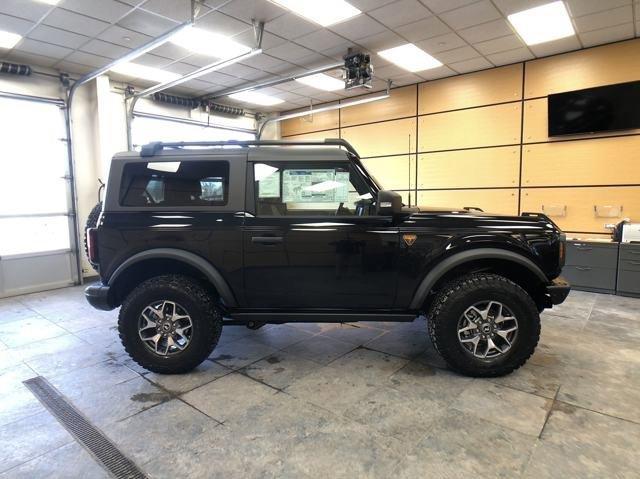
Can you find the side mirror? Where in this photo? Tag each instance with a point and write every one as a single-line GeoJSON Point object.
{"type": "Point", "coordinates": [389, 203]}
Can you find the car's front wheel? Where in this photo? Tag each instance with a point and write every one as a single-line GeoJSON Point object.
{"type": "Point", "coordinates": [169, 324]}
{"type": "Point", "coordinates": [484, 325]}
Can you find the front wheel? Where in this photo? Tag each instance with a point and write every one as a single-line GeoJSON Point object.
{"type": "Point", "coordinates": [484, 325]}
{"type": "Point", "coordinates": [169, 324]}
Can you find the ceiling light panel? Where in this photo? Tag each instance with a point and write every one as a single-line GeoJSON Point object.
{"type": "Point", "coordinates": [322, 82]}
{"type": "Point", "coordinates": [410, 57]}
{"type": "Point", "coordinates": [543, 24]}
{"type": "Point", "coordinates": [8, 39]}
{"type": "Point", "coordinates": [256, 98]}
{"type": "Point", "coordinates": [49, 2]}
{"type": "Point", "coordinates": [136, 70]}
{"type": "Point", "coordinates": [208, 43]}
{"type": "Point", "coordinates": [325, 12]}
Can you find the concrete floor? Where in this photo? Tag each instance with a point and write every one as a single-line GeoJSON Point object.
{"type": "Point", "coordinates": [321, 400]}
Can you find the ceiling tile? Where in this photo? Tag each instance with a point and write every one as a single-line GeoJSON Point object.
{"type": "Point", "coordinates": [359, 27]}
{"type": "Point", "coordinates": [511, 56]}
{"type": "Point", "coordinates": [123, 37]}
{"type": "Point", "coordinates": [74, 22]}
{"type": "Point", "coordinates": [28, 10]}
{"type": "Point", "coordinates": [245, 10]}
{"type": "Point", "coordinates": [177, 10]}
{"type": "Point", "coordinates": [584, 7]}
{"type": "Point", "coordinates": [439, 6]}
{"type": "Point", "coordinates": [180, 68]}
{"type": "Point", "coordinates": [18, 56]}
{"type": "Point", "coordinates": [338, 53]}
{"type": "Point", "coordinates": [242, 71]}
{"type": "Point", "coordinates": [497, 45]}
{"type": "Point", "coordinates": [368, 5]}
{"type": "Point", "coordinates": [381, 41]}
{"type": "Point", "coordinates": [291, 26]}
{"type": "Point", "coordinates": [220, 78]}
{"type": "Point", "coordinates": [423, 29]}
{"type": "Point", "coordinates": [441, 43]}
{"type": "Point", "coordinates": [269, 40]}
{"type": "Point", "coordinates": [223, 24]}
{"type": "Point", "coordinates": [456, 55]}
{"type": "Point", "coordinates": [152, 60]}
{"type": "Point", "coordinates": [486, 31]}
{"type": "Point", "coordinates": [171, 50]}
{"type": "Point", "coordinates": [289, 52]}
{"type": "Point", "coordinates": [470, 15]}
{"type": "Point", "coordinates": [105, 49]}
{"type": "Point", "coordinates": [434, 73]}
{"type": "Point", "coordinates": [607, 35]}
{"type": "Point", "coordinates": [472, 65]}
{"type": "Point", "coordinates": [608, 18]}
{"type": "Point", "coordinates": [15, 25]}
{"type": "Point", "coordinates": [320, 40]}
{"type": "Point", "coordinates": [56, 36]}
{"type": "Point", "coordinates": [147, 23]}
{"type": "Point", "coordinates": [88, 59]}
{"type": "Point", "coordinates": [42, 48]}
{"type": "Point", "coordinates": [71, 67]}
{"type": "Point", "coordinates": [558, 46]}
{"type": "Point", "coordinates": [513, 6]}
{"type": "Point", "coordinates": [388, 71]}
{"type": "Point", "coordinates": [400, 13]}
{"type": "Point", "coordinates": [270, 64]}
{"type": "Point", "coordinates": [107, 10]}
{"type": "Point", "coordinates": [313, 60]}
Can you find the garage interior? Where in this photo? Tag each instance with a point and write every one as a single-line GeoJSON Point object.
{"type": "Point", "coordinates": [81, 80]}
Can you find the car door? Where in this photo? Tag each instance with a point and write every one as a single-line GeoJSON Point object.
{"type": "Point", "coordinates": [310, 241]}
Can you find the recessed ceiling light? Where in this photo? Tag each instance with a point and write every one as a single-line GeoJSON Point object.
{"type": "Point", "coordinates": [322, 82]}
{"type": "Point", "coordinates": [49, 2]}
{"type": "Point", "coordinates": [208, 43]}
{"type": "Point", "coordinates": [325, 12]}
{"type": "Point", "coordinates": [8, 39]}
{"type": "Point", "coordinates": [543, 24]}
{"type": "Point", "coordinates": [136, 70]}
{"type": "Point", "coordinates": [256, 98]}
{"type": "Point", "coordinates": [410, 58]}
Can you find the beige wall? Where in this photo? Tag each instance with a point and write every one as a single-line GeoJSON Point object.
{"type": "Point", "coordinates": [481, 140]}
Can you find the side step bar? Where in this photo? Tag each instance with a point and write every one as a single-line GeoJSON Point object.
{"type": "Point", "coordinates": [274, 317]}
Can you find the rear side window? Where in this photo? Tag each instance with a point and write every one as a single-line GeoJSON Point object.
{"type": "Point", "coordinates": [175, 183]}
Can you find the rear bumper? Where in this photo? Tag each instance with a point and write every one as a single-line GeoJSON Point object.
{"type": "Point", "coordinates": [97, 295]}
{"type": "Point", "coordinates": [558, 290]}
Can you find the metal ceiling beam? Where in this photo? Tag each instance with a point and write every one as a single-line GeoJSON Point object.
{"type": "Point", "coordinates": [278, 81]}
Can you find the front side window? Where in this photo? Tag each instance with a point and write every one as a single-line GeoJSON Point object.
{"type": "Point", "coordinates": [175, 183]}
{"type": "Point", "coordinates": [308, 189]}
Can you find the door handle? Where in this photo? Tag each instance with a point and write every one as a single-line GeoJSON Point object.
{"type": "Point", "coordinates": [266, 240]}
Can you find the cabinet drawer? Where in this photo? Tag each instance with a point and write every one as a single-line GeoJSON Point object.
{"type": "Point", "coordinates": [630, 265]}
{"type": "Point", "coordinates": [593, 255]}
{"type": "Point", "coordinates": [631, 252]}
{"type": "Point", "coordinates": [590, 277]}
{"type": "Point", "coordinates": [629, 281]}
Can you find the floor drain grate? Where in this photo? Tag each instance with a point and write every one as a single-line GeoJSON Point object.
{"type": "Point", "coordinates": [86, 433]}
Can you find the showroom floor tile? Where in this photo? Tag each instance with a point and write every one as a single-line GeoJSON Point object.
{"type": "Point", "coordinates": [324, 400]}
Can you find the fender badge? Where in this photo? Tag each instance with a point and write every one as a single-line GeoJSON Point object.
{"type": "Point", "coordinates": [409, 239]}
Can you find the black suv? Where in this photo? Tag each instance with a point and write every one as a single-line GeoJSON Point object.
{"type": "Point", "coordinates": [194, 236]}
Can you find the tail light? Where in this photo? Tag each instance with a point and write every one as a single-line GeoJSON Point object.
{"type": "Point", "coordinates": [92, 245]}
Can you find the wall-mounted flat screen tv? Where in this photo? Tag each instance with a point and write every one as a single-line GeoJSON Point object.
{"type": "Point", "coordinates": [606, 108]}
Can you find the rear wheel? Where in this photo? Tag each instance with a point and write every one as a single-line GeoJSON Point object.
{"type": "Point", "coordinates": [484, 325]}
{"type": "Point", "coordinates": [169, 324]}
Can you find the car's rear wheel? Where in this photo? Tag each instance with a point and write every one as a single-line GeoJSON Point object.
{"type": "Point", "coordinates": [169, 324]}
{"type": "Point", "coordinates": [484, 325]}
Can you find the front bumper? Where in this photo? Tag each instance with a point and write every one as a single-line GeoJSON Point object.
{"type": "Point", "coordinates": [97, 295]}
{"type": "Point", "coordinates": [558, 290]}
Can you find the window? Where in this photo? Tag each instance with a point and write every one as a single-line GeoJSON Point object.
{"type": "Point", "coordinates": [175, 183]}
{"type": "Point", "coordinates": [307, 189]}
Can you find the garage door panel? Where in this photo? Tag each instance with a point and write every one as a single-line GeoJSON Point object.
{"type": "Point", "coordinates": [480, 168]}
{"type": "Point", "coordinates": [503, 201]}
{"type": "Point", "coordinates": [497, 125]}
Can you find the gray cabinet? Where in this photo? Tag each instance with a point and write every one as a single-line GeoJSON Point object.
{"type": "Point", "coordinates": [591, 266]}
{"type": "Point", "coordinates": [629, 270]}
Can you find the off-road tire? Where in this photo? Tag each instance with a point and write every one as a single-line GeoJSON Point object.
{"type": "Point", "coordinates": [205, 316]}
{"type": "Point", "coordinates": [456, 296]}
{"type": "Point", "coordinates": [92, 222]}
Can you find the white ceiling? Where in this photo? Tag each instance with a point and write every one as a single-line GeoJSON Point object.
{"type": "Point", "coordinates": [77, 36]}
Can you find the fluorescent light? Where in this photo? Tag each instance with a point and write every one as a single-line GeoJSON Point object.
{"type": "Point", "coordinates": [142, 71]}
{"type": "Point", "coordinates": [322, 82]}
{"type": "Point", "coordinates": [543, 24]}
{"type": "Point", "coordinates": [337, 106]}
{"type": "Point", "coordinates": [208, 43]}
{"type": "Point", "coordinates": [410, 58]}
{"type": "Point", "coordinates": [8, 39]}
{"type": "Point", "coordinates": [256, 98]}
{"type": "Point", "coordinates": [323, 12]}
{"type": "Point", "coordinates": [49, 2]}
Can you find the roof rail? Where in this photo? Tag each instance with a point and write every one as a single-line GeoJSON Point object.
{"type": "Point", "coordinates": [153, 148]}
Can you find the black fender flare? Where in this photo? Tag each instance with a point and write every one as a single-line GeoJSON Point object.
{"type": "Point", "coordinates": [440, 269]}
{"type": "Point", "coordinates": [191, 259]}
